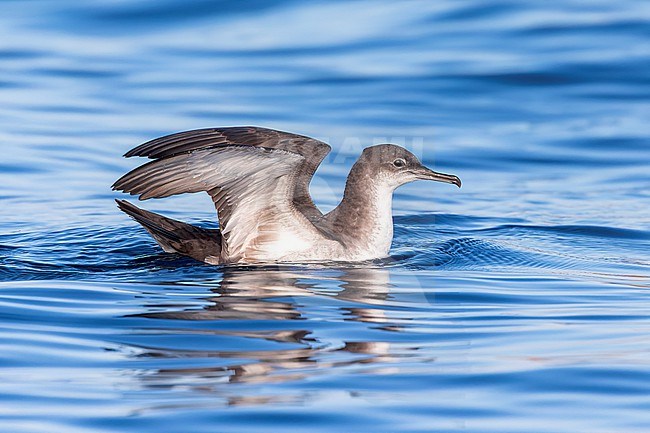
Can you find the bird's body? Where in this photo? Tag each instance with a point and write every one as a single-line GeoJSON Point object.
{"type": "Point", "coordinates": [259, 181]}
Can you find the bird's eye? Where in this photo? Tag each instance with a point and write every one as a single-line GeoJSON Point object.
{"type": "Point", "coordinates": [399, 162]}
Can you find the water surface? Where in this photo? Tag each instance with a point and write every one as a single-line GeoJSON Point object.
{"type": "Point", "coordinates": [518, 303]}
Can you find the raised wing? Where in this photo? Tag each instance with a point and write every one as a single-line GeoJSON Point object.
{"type": "Point", "coordinates": [313, 152]}
{"type": "Point", "coordinates": [253, 186]}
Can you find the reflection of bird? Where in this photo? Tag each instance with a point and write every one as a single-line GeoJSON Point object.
{"type": "Point", "coordinates": [253, 293]}
{"type": "Point", "coordinates": [267, 295]}
{"type": "Point", "coordinates": [259, 181]}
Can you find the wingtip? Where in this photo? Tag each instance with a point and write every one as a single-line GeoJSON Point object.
{"type": "Point", "coordinates": [131, 153]}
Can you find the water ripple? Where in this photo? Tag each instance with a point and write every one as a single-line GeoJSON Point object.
{"type": "Point", "coordinates": [518, 301]}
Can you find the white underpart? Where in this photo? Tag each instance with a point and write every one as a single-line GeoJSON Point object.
{"type": "Point", "coordinates": [288, 243]}
{"type": "Point", "coordinates": [264, 226]}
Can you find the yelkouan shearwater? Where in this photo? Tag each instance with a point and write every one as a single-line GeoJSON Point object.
{"type": "Point", "coordinates": [259, 181]}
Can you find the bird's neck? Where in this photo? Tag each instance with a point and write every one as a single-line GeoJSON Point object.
{"type": "Point", "coordinates": [364, 218]}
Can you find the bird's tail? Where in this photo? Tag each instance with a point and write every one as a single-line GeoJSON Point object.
{"type": "Point", "coordinates": [176, 236]}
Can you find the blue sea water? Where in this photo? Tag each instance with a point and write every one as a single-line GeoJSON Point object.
{"type": "Point", "coordinates": [520, 303]}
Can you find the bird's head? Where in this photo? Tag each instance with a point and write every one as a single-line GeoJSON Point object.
{"type": "Point", "coordinates": [394, 166]}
